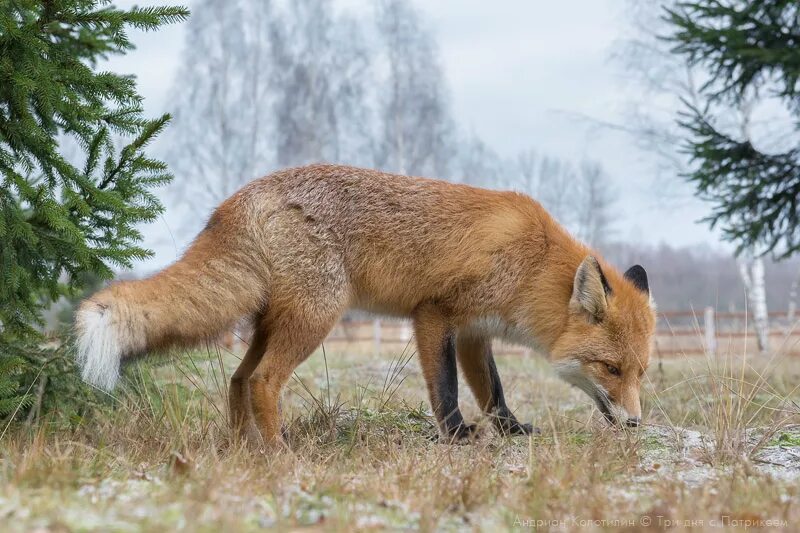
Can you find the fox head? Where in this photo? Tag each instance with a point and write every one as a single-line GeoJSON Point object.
{"type": "Point", "coordinates": [605, 347]}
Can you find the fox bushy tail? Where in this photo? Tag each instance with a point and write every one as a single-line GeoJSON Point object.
{"type": "Point", "coordinates": [216, 283]}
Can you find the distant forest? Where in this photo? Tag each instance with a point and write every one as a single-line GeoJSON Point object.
{"type": "Point", "coordinates": [694, 277]}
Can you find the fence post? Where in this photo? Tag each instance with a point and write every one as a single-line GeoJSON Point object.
{"type": "Point", "coordinates": [709, 327]}
{"type": "Point", "coordinates": [405, 331]}
{"type": "Point", "coordinates": [376, 336]}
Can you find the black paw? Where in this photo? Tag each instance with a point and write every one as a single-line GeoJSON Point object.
{"type": "Point", "coordinates": [461, 434]}
{"type": "Point", "coordinates": [510, 426]}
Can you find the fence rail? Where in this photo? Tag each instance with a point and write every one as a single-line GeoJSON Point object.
{"type": "Point", "coordinates": [711, 332]}
{"type": "Point", "coordinates": [678, 332]}
{"type": "Point", "coordinates": [682, 332]}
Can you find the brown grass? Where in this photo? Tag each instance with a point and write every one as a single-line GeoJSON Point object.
{"type": "Point", "coordinates": [723, 441]}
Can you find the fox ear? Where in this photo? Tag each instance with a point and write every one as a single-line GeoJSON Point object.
{"type": "Point", "coordinates": [589, 290]}
{"type": "Point", "coordinates": [637, 275]}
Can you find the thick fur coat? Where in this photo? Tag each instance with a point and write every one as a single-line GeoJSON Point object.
{"type": "Point", "coordinates": [295, 249]}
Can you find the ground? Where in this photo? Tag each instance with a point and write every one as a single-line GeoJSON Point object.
{"type": "Point", "coordinates": [721, 446]}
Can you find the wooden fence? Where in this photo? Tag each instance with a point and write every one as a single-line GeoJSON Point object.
{"type": "Point", "coordinates": [677, 333]}
{"type": "Point", "coordinates": [387, 337]}
{"type": "Point", "coordinates": [711, 332]}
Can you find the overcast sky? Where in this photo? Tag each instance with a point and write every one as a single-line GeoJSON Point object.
{"type": "Point", "coordinates": [521, 74]}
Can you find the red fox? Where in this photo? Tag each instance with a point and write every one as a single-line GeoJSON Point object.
{"type": "Point", "coordinates": [295, 249]}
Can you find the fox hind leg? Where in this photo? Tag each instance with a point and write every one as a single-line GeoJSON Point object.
{"type": "Point", "coordinates": [241, 413]}
{"type": "Point", "coordinates": [477, 363]}
{"type": "Point", "coordinates": [292, 338]}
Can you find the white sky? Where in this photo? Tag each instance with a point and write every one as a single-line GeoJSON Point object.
{"type": "Point", "coordinates": [520, 75]}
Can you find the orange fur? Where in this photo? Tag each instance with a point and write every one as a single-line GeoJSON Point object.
{"type": "Point", "coordinates": [295, 249]}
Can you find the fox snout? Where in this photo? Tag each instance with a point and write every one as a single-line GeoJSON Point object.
{"type": "Point", "coordinates": [615, 413]}
{"type": "Point", "coordinates": [624, 410]}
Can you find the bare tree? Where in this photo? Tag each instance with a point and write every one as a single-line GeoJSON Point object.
{"type": "Point", "coordinates": [478, 164]}
{"type": "Point", "coordinates": [527, 162]}
{"type": "Point", "coordinates": [415, 125]}
{"type": "Point", "coordinates": [321, 64]}
{"type": "Point", "coordinates": [221, 135]}
{"type": "Point", "coordinates": [663, 80]}
{"type": "Point", "coordinates": [556, 189]}
{"type": "Point", "coordinates": [261, 87]}
{"type": "Point", "coordinates": [595, 201]}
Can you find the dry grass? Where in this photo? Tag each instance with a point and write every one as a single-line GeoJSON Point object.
{"type": "Point", "coordinates": [723, 440]}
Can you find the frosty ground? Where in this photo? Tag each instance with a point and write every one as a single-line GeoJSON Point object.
{"type": "Point", "coordinates": [721, 447]}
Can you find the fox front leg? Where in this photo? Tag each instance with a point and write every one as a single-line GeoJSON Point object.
{"type": "Point", "coordinates": [437, 353]}
{"type": "Point", "coordinates": [477, 362]}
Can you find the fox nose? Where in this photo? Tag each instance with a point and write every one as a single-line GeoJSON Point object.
{"type": "Point", "coordinates": [633, 422]}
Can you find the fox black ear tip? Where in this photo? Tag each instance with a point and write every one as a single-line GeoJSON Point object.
{"type": "Point", "coordinates": [637, 269]}
{"type": "Point", "coordinates": [638, 276]}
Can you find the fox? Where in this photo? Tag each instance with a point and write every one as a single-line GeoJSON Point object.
{"type": "Point", "coordinates": [294, 250]}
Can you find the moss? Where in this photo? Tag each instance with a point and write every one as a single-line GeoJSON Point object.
{"type": "Point", "coordinates": [786, 439]}
{"type": "Point", "coordinates": [652, 442]}
{"type": "Point", "coordinates": [578, 439]}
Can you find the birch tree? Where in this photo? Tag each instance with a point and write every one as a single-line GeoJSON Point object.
{"type": "Point", "coordinates": [321, 63]}
{"type": "Point", "coordinates": [662, 80]}
{"type": "Point", "coordinates": [751, 262]}
{"type": "Point", "coordinates": [751, 269]}
{"type": "Point", "coordinates": [556, 189]}
{"type": "Point", "coordinates": [478, 164]}
{"type": "Point", "coordinates": [792, 310]}
{"type": "Point", "coordinates": [222, 134]}
{"type": "Point", "coordinates": [527, 161]}
{"type": "Point", "coordinates": [415, 127]}
{"type": "Point", "coordinates": [595, 201]}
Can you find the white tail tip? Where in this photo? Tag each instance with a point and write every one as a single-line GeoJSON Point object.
{"type": "Point", "coordinates": [98, 346]}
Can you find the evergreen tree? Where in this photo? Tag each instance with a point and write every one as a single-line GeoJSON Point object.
{"type": "Point", "coordinates": [60, 219]}
{"type": "Point", "coordinates": [749, 48]}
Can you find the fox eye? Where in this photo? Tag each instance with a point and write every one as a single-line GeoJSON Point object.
{"type": "Point", "coordinates": [614, 371]}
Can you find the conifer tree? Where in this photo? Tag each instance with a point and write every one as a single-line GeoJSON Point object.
{"type": "Point", "coordinates": [750, 49]}
{"type": "Point", "coordinates": [62, 217]}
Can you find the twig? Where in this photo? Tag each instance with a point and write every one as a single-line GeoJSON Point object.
{"type": "Point", "coordinates": [790, 452]}
{"type": "Point", "coordinates": [19, 405]}
{"type": "Point", "coordinates": [37, 407]}
{"type": "Point", "coordinates": [764, 461]}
